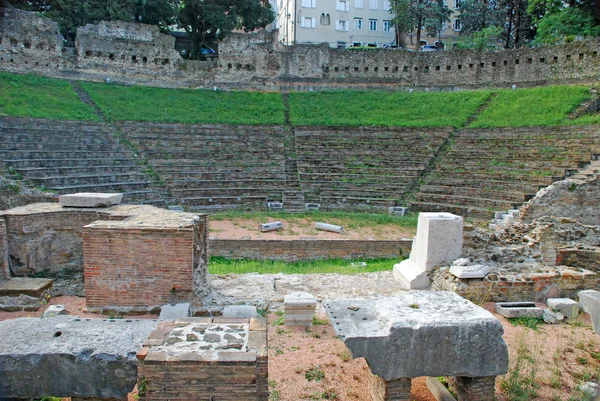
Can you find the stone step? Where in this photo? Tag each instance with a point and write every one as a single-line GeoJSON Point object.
{"type": "Point", "coordinates": [184, 165]}
{"type": "Point", "coordinates": [226, 192]}
{"type": "Point", "coordinates": [474, 192]}
{"type": "Point", "coordinates": [65, 154]}
{"type": "Point", "coordinates": [465, 211]}
{"type": "Point", "coordinates": [183, 184]}
{"type": "Point", "coordinates": [325, 185]}
{"type": "Point", "coordinates": [226, 176]}
{"type": "Point", "coordinates": [336, 202]}
{"type": "Point", "coordinates": [32, 172]}
{"type": "Point", "coordinates": [492, 204]}
{"type": "Point", "coordinates": [56, 163]}
{"type": "Point", "coordinates": [411, 169]}
{"type": "Point", "coordinates": [109, 187]}
{"type": "Point", "coordinates": [351, 178]}
{"type": "Point", "coordinates": [225, 201]}
{"type": "Point", "coordinates": [54, 137]}
{"type": "Point", "coordinates": [53, 147]}
{"type": "Point", "coordinates": [517, 185]}
{"type": "Point", "coordinates": [466, 176]}
{"type": "Point", "coordinates": [61, 181]}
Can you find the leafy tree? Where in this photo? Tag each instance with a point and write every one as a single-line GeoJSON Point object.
{"type": "Point", "coordinates": [156, 12]}
{"type": "Point", "coordinates": [518, 23]}
{"type": "Point", "coordinates": [414, 15]}
{"type": "Point", "coordinates": [211, 20]}
{"type": "Point", "coordinates": [476, 15]}
{"type": "Point", "coordinates": [565, 24]}
{"type": "Point", "coordinates": [480, 40]}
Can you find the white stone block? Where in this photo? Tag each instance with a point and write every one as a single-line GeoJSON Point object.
{"type": "Point", "coordinates": [473, 271]}
{"type": "Point", "coordinates": [508, 219]}
{"type": "Point", "coordinates": [566, 306]}
{"type": "Point", "coordinates": [172, 312]}
{"type": "Point", "coordinates": [514, 212]}
{"type": "Point", "coordinates": [410, 276]}
{"type": "Point", "coordinates": [499, 215]}
{"type": "Point", "coordinates": [55, 310]}
{"type": "Point", "coordinates": [587, 298]}
{"type": "Point", "coordinates": [89, 199]}
{"type": "Point", "coordinates": [240, 311]}
{"type": "Point", "coordinates": [439, 239]}
{"type": "Point", "coordinates": [299, 309]}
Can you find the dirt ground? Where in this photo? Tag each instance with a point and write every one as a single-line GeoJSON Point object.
{"type": "Point", "coordinates": [563, 356]}
{"type": "Point", "coordinates": [238, 228]}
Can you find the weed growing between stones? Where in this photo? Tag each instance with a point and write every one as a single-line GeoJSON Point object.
{"type": "Point", "coordinates": [314, 373]}
{"type": "Point", "coordinates": [280, 319]}
{"type": "Point", "coordinates": [521, 384]}
{"type": "Point", "coordinates": [273, 392]}
{"type": "Point", "coordinates": [532, 323]}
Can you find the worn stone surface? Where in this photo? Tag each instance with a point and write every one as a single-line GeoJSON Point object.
{"type": "Point", "coordinates": [55, 310]}
{"type": "Point", "coordinates": [472, 271]}
{"type": "Point", "coordinates": [552, 317]}
{"type": "Point", "coordinates": [33, 287]}
{"type": "Point", "coordinates": [88, 199]}
{"type": "Point", "coordinates": [172, 312]}
{"type": "Point", "coordinates": [67, 356]}
{"type": "Point", "coordinates": [590, 303]}
{"type": "Point", "coordinates": [518, 309]}
{"type": "Point", "coordinates": [299, 309]}
{"type": "Point", "coordinates": [421, 333]}
{"type": "Point", "coordinates": [566, 306]}
{"type": "Point", "coordinates": [240, 311]}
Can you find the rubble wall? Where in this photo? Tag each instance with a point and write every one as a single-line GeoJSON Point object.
{"type": "Point", "coordinates": [139, 54]}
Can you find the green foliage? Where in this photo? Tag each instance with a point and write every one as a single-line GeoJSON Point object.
{"type": "Point", "coordinates": [542, 106]}
{"type": "Point", "coordinates": [315, 373]}
{"type": "Point", "coordinates": [374, 108]}
{"type": "Point", "coordinates": [39, 97]}
{"type": "Point", "coordinates": [220, 265]}
{"type": "Point", "coordinates": [414, 15]}
{"type": "Point", "coordinates": [319, 322]}
{"type": "Point", "coordinates": [186, 105]}
{"type": "Point", "coordinates": [142, 386]}
{"type": "Point", "coordinates": [521, 382]}
{"type": "Point", "coordinates": [480, 40]}
{"type": "Point", "coordinates": [532, 323]}
{"type": "Point", "coordinates": [477, 15]}
{"type": "Point", "coordinates": [570, 21]}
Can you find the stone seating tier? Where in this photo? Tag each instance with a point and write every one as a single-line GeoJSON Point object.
{"type": "Point", "coordinates": [481, 191]}
{"type": "Point", "coordinates": [53, 163]}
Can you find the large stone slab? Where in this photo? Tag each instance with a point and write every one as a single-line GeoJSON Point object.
{"type": "Point", "coordinates": [70, 357]}
{"type": "Point", "coordinates": [90, 199]}
{"type": "Point", "coordinates": [33, 287]}
{"type": "Point", "coordinates": [590, 303]}
{"type": "Point", "coordinates": [472, 271]}
{"type": "Point", "coordinates": [518, 309]}
{"type": "Point", "coordinates": [566, 306]}
{"type": "Point", "coordinates": [421, 333]}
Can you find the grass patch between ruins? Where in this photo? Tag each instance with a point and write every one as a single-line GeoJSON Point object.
{"type": "Point", "coordinates": [220, 265]}
{"type": "Point", "coordinates": [40, 97]}
{"type": "Point", "coordinates": [137, 103]}
{"type": "Point", "coordinates": [544, 106]}
{"type": "Point", "coordinates": [378, 108]}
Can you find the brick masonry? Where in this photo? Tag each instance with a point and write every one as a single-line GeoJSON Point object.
{"type": "Point", "coordinates": [295, 250]}
{"type": "Point", "coordinates": [474, 388]}
{"type": "Point", "coordinates": [214, 372]}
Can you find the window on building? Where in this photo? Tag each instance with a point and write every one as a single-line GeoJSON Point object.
{"type": "Point", "coordinates": [308, 22]}
{"type": "Point", "coordinates": [457, 4]}
{"type": "Point", "coordinates": [309, 3]}
{"type": "Point", "coordinates": [372, 25]}
{"type": "Point", "coordinates": [341, 26]}
{"type": "Point", "coordinates": [358, 24]}
{"type": "Point", "coordinates": [341, 45]}
{"type": "Point", "coordinates": [325, 19]}
{"type": "Point", "coordinates": [342, 5]}
{"type": "Point", "coordinates": [387, 26]}
{"type": "Point", "coordinates": [359, 3]}
{"type": "Point", "coordinates": [456, 25]}
{"type": "Point", "coordinates": [386, 5]}
{"type": "Point", "coordinates": [373, 4]}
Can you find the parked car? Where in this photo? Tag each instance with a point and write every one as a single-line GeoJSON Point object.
{"type": "Point", "coordinates": [428, 48]}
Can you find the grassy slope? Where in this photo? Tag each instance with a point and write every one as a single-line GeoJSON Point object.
{"type": "Point", "coordinates": [185, 105]}
{"type": "Point", "coordinates": [376, 108]}
{"type": "Point", "coordinates": [542, 106]}
{"type": "Point", "coordinates": [39, 97]}
{"type": "Point", "coordinates": [219, 265]}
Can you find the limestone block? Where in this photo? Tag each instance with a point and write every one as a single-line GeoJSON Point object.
{"type": "Point", "coordinates": [552, 317]}
{"type": "Point", "coordinates": [240, 311]}
{"type": "Point", "coordinates": [566, 306]}
{"type": "Point", "coordinates": [439, 239]}
{"type": "Point", "coordinates": [473, 271]}
{"type": "Point", "coordinates": [55, 310]}
{"type": "Point", "coordinates": [518, 309]}
{"type": "Point", "coordinates": [397, 210]}
{"type": "Point", "coordinates": [499, 215]}
{"type": "Point", "coordinates": [70, 357]}
{"type": "Point", "coordinates": [590, 302]}
{"type": "Point", "coordinates": [89, 199]}
{"type": "Point", "coordinates": [421, 333]}
{"type": "Point", "coordinates": [172, 312]}
{"type": "Point", "coordinates": [299, 309]}
{"type": "Point", "coordinates": [410, 276]}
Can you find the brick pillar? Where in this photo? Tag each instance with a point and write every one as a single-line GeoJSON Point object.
{"type": "Point", "coordinates": [474, 388]}
{"type": "Point", "coordinates": [397, 390]}
{"type": "Point", "coordinates": [262, 378]}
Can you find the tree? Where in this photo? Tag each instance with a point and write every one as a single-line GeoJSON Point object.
{"type": "Point", "coordinates": [476, 15]}
{"type": "Point", "coordinates": [414, 15]}
{"type": "Point", "coordinates": [565, 24]}
{"type": "Point", "coordinates": [211, 20]}
{"type": "Point", "coordinates": [156, 12]}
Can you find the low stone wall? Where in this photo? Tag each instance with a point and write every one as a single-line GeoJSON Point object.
{"type": "Point", "coordinates": [296, 250]}
{"type": "Point", "coordinates": [496, 287]}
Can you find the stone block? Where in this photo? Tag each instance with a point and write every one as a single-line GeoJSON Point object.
{"type": "Point", "coordinates": [397, 210]}
{"type": "Point", "coordinates": [518, 309]}
{"type": "Point", "coordinates": [299, 309]}
{"type": "Point", "coordinates": [566, 306]}
{"type": "Point", "coordinates": [240, 311]}
{"type": "Point", "coordinates": [439, 239]}
{"type": "Point", "coordinates": [438, 390]}
{"type": "Point", "coordinates": [421, 333]}
{"type": "Point", "coordinates": [499, 215]}
{"type": "Point", "coordinates": [509, 219]}
{"type": "Point", "coordinates": [176, 208]}
{"type": "Point", "coordinates": [70, 357]}
{"type": "Point", "coordinates": [552, 317]}
{"type": "Point", "coordinates": [172, 312]}
{"type": "Point", "coordinates": [275, 206]}
{"type": "Point", "coordinates": [590, 303]}
{"type": "Point", "coordinates": [55, 310]}
{"type": "Point", "coordinates": [312, 206]}
{"type": "Point", "coordinates": [90, 199]}
{"type": "Point", "coordinates": [473, 271]}
{"type": "Point", "coordinates": [410, 276]}
{"type": "Point", "coordinates": [514, 212]}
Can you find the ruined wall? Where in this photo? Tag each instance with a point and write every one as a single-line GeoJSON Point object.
{"type": "Point", "coordinates": [128, 267]}
{"type": "Point", "coordinates": [568, 198]}
{"type": "Point", "coordinates": [136, 53]}
{"type": "Point", "coordinates": [295, 250]}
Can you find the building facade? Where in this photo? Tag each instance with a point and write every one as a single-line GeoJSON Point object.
{"type": "Point", "coordinates": [449, 32]}
{"type": "Point", "coordinates": [339, 23]}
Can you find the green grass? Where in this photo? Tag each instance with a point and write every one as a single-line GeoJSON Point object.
{"type": "Point", "coordinates": [543, 106]}
{"type": "Point", "coordinates": [377, 108]}
{"type": "Point", "coordinates": [39, 97]}
{"type": "Point", "coordinates": [348, 220]}
{"type": "Point", "coordinates": [139, 103]}
{"type": "Point", "coordinates": [220, 265]}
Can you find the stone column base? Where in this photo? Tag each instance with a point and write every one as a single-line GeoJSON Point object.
{"type": "Point", "coordinates": [474, 388]}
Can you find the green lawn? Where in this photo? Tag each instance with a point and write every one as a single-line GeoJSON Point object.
{"type": "Point", "coordinates": [139, 103]}
{"type": "Point", "coordinates": [39, 97]}
{"type": "Point", "coordinates": [377, 108]}
{"type": "Point", "coordinates": [543, 106]}
{"type": "Point", "coordinates": [220, 265]}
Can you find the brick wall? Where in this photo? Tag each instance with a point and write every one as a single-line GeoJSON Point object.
{"type": "Point", "coordinates": [294, 250]}
{"type": "Point", "coordinates": [474, 388]}
{"type": "Point", "coordinates": [583, 258]}
{"type": "Point", "coordinates": [4, 270]}
{"type": "Point", "coordinates": [137, 267]}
